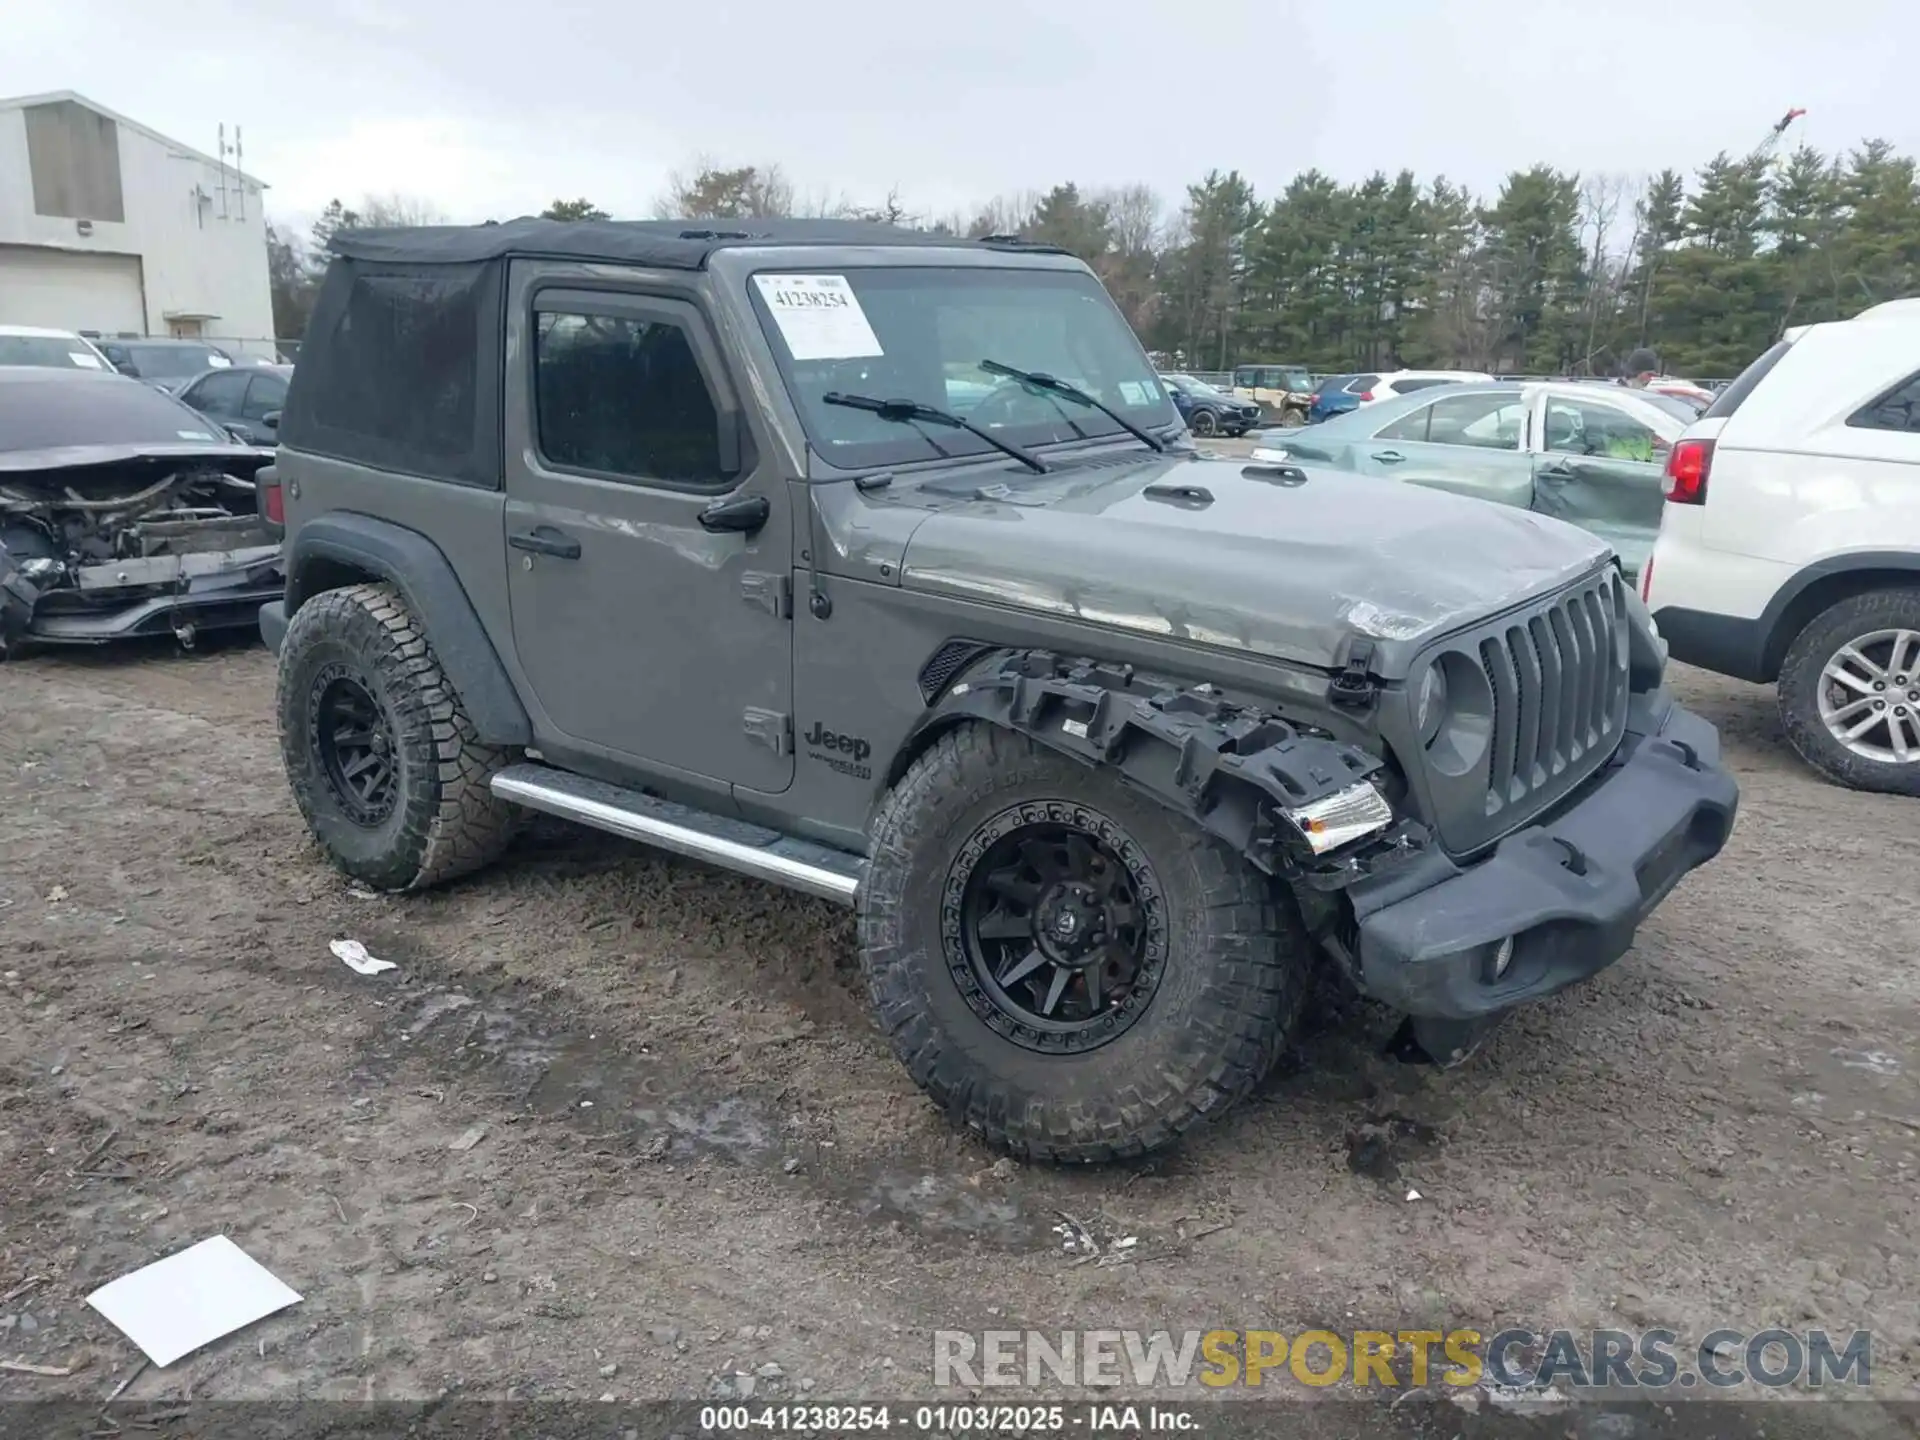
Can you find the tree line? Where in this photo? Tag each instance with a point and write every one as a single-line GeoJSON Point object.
{"type": "Point", "coordinates": [1554, 272]}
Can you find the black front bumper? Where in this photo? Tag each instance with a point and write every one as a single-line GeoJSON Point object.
{"type": "Point", "coordinates": [1570, 892]}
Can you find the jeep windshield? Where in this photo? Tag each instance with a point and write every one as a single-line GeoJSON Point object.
{"type": "Point", "coordinates": [920, 334]}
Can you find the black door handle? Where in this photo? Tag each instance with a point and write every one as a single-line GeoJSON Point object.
{"type": "Point", "coordinates": [742, 513]}
{"type": "Point", "coordinates": [1388, 457]}
{"type": "Point", "coordinates": [1558, 470]}
{"type": "Point", "coordinates": [545, 540]}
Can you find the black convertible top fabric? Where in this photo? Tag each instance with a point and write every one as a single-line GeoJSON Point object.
{"type": "Point", "coordinates": [665, 244]}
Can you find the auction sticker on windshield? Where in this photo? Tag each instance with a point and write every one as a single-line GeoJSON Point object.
{"type": "Point", "coordinates": [819, 317]}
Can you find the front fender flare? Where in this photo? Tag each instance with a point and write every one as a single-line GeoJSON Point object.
{"type": "Point", "coordinates": [343, 543]}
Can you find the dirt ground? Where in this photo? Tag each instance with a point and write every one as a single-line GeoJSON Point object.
{"type": "Point", "coordinates": [695, 1157]}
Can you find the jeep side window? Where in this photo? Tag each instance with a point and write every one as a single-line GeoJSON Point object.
{"type": "Point", "coordinates": [1898, 409]}
{"type": "Point", "coordinates": [623, 397]}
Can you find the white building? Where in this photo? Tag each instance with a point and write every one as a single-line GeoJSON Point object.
{"type": "Point", "coordinates": [106, 226]}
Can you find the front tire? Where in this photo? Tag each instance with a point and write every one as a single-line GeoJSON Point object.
{"type": "Point", "coordinates": [1065, 967]}
{"type": "Point", "coordinates": [1204, 424]}
{"type": "Point", "coordinates": [1850, 692]}
{"type": "Point", "coordinates": [381, 757]}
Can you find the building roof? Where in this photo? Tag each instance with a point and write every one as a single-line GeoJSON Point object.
{"type": "Point", "coordinates": [667, 244]}
{"type": "Point", "coordinates": [55, 97]}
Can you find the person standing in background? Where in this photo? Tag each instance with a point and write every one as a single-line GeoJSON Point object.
{"type": "Point", "coordinates": [1643, 365]}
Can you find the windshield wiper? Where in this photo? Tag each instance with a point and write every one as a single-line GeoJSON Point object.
{"type": "Point", "coordinates": [906, 412]}
{"type": "Point", "coordinates": [1040, 380]}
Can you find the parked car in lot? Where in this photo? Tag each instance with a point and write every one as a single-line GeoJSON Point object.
{"type": "Point", "coordinates": [1789, 547]}
{"type": "Point", "coordinates": [1206, 410]}
{"type": "Point", "coordinates": [1114, 748]}
{"type": "Point", "coordinates": [61, 349]}
{"type": "Point", "coordinates": [246, 399]}
{"type": "Point", "coordinates": [122, 512]}
{"type": "Point", "coordinates": [1590, 454]}
{"type": "Point", "coordinates": [165, 364]}
{"type": "Point", "coordinates": [1283, 392]}
{"type": "Point", "coordinates": [1338, 394]}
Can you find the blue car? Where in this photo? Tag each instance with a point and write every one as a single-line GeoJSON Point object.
{"type": "Point", "coordinates": [1208, 411]}
{"type": "Point", "coordinates": [1338, 394]}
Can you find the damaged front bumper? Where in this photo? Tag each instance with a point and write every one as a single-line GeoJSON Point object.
{"type": "Point", "coordinates": [179, 595]}
{"type": "Point", "coordinates": [1567, 893]}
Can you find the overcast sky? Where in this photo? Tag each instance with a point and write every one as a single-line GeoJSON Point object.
{"type": "Point", "coordinates": [488, 108]}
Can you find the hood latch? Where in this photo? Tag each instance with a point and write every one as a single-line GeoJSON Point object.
{"type": "Point", "coordinates": [1353, 687]}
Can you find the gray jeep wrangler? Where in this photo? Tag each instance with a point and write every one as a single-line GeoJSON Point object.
{"type": "Point", "coordinates": [878, 564]}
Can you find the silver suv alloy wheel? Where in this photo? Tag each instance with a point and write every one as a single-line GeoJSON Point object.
{"type": "Point", "coordinates": [1870, 696]}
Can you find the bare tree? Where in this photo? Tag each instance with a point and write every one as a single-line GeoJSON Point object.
{"type": "Point", "coordinates": [715, 192]}
{"type": "Point", "coordinates": [1134, 215]}
{"type": "Point", "coordinates": [1005, 214]}
{"type": "Point", "coordinates": [1602, 198]}
{"type": "Point", "coordinates": [399, 211]}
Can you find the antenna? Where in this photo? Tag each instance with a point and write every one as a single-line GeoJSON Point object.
{"type": "Point", "coordinates": [222, 153]}
{"type": "Point", "coordinates": [239, 173]}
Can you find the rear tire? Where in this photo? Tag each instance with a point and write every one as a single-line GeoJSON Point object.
{"type": "Point", "coordinates": [382, 760]}
{"type": "Point", "coordinates": [1827, 683]}
{"type": "Point", "coordinates": [1220, 961]}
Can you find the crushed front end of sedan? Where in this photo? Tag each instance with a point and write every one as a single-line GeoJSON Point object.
{"type": "Point", "coordinates": [123, 513]}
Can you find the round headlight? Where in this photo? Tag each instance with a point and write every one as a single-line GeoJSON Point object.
{"type": "Point", "coordinates": [1430, 705]}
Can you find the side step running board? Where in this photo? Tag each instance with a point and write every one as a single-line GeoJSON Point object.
{"type": "Point", "coordinates": [731, 844]}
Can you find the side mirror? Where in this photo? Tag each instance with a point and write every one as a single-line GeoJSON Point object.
{"type": "Point", "coordinates": [125, 367]}
{"type": "Point", "coordinates": [271, 419]}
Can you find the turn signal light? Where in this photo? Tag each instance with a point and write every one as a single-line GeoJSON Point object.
{"type": "Point", "coordinates": [273, 503]}
{"type": "Point", "coordinates": [1688, 465]}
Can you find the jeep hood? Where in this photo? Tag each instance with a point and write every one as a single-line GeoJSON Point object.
{"type": "Point", "coordinates": [1249, 558]}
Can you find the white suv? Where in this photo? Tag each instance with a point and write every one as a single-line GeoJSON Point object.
{"type": "Point", "coordinates": [1789, 544]}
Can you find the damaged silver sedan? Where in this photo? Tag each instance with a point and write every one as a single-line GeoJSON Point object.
{"type": "Point", "coordinates": [123, 512]}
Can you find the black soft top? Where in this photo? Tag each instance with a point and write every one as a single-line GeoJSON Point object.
{"type": "Point", "coordinates": [664, 244]}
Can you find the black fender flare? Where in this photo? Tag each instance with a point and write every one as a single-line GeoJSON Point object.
{"type": "Point", "coordinates": [1231, 770]}
{"type": "Point", "coordinates": [333, 548]}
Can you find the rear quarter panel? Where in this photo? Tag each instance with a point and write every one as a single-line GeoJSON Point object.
{"type": "Point", "coordinates": [1792, 482]}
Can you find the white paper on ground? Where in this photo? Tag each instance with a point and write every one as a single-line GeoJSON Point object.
{"type": "Point", "coordinates": [357, 958]}
{"type": "Point", "coordinates": [174, 1306]}
{"type": "Point", "coordinates": [819, 317]}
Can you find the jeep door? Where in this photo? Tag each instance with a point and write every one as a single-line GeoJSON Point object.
{"type": "Point", "coordinates": [1600, 465]}
{"type": "Point", "coordinates": [646, 546]}
{"type": "Point", "coordinates": [1471, 444]}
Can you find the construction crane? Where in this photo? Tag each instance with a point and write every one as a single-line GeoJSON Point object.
{"type": "Point", "coordinates": [1763, 152]}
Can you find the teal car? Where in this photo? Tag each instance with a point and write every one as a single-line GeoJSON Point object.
{"type": "Point", "coordinates": [1591, 454]}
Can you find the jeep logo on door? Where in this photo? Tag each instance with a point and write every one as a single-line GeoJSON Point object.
{"type": "Point", "coordinates": [845, 753]}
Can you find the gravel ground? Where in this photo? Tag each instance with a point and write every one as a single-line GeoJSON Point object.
{"type": "Point", "coordinates": [619, 1125]}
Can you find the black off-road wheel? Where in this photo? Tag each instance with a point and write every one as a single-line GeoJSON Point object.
{"type": "Point", "coordinates": [1850, 692]}
{"type": "Point", "coordinates": [383, 761]}
{"type": "Point", "coordinates": [1065, 967]}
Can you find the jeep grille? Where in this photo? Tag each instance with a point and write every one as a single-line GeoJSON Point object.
{"type": "Point", "coordinates": [1557, 673]}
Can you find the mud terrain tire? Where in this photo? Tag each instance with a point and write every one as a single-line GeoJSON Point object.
{"type": "Point", "coordinates": [355, 662]}
{"type": "Point", "coordinates": [1227, 966]}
